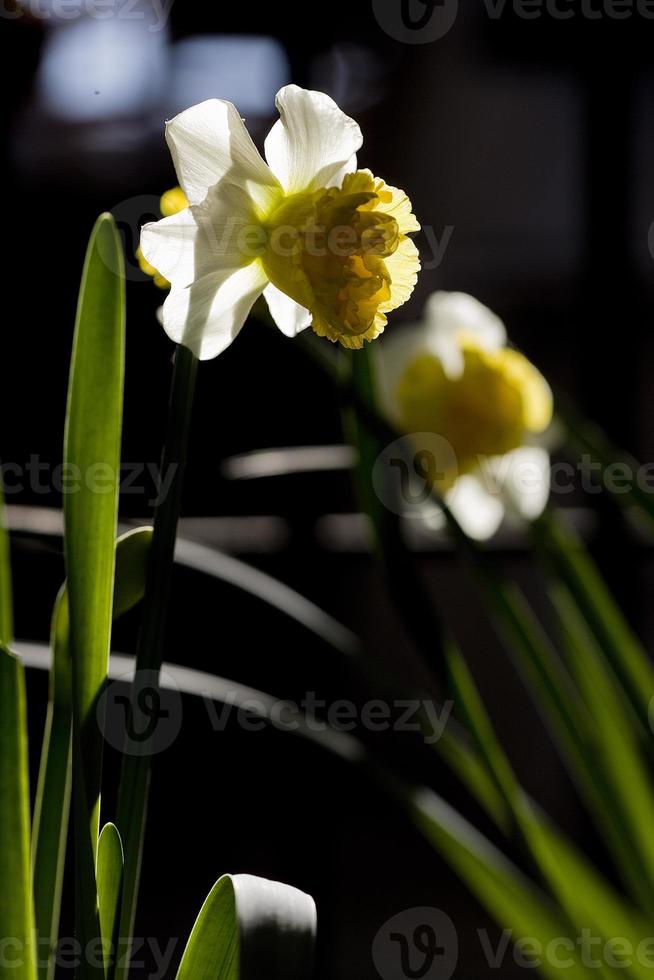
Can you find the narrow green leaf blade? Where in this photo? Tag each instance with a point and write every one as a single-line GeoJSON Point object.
{"type": "Point", "coordinates": [52, 805]}
{"type": "Point", "coordinates": [629, 661]}
{"type": "Point", "coordinates": [616, 747]}
{"type": "Point", "coordinates": [510, 897]}
{"type": "Point", "coordinates": [588, 900]}
{"type": "Point", "coordinates": [92, 450]}
{"type": "Point", "coordinates": [16, 908]}
{"type": "Point", "coordinates": [92, 456]}
{"type": "Point", "coordinates": [250, 928]}
{"type": "Point", "coordinates": [110, 885]}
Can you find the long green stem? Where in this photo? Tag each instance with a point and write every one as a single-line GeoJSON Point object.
{"type": "Point", "coordinates": [135, 776]}
{"type": "Point", "coordinates": [405, 583]}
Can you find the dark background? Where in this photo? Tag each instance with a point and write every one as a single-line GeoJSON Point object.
{"type": "Point", "coordinates": [533, 140]}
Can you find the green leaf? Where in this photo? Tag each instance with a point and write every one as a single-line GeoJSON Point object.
{"type": "Point", "coordinates": [616, 749]}
{"type": "Point", "coordinates": [110, 884]}
{"type": "Point", "coordinates": [566, 552]}
{"type": "Point", "coordinates": [16, 908]}
{"type": "Point", "coordinates": [6, 602]}
{"type": "Point", "coordinates": [250, 928]}
{"type": "Point", "coordinates": [509, 896]}
{"type": "Point", "coordinates": [466, 763]}
{"type": "Point", "coordinates": [92, 459]}
{"type": "Point", "coordinates": [587, 899]}
{"type": "Point", "coordinates": [52, 805]}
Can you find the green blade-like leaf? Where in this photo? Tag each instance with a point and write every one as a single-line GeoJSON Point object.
{"type": "Point", "coordinates": [509, 896]}
{"type": "Point", "coordinates": [52, 805]}
{"type": "Point", "coordinates": [589, 902]}
{"type": "Point", "coordinates": [6, 601]}
{"type": "Point", "coordinates": [250, 928]}
{"type": "Point", "coordinates": [92, 454]}
{"type": "Point", "coordinates": [466, 763]}
{"type": "Point", "coordinates": [16, 907]}
{"type": "Point", "coordinates": [110, 885]}
{"type": "Point", "coordinates": [566, 552]}
{"type": "Point", "coordinates": [616, 748]}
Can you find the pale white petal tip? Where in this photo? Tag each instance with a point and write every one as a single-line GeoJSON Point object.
{"type": "Point", "coordinates": [209, 142]}
{"type": "Point", "coordinates": [451, 315]}
{"type": "Point", "coordinates": [479, 512]}
{"type": "Point", "coordinates": [289, 316]}
{"type": "Point", "coordinates": [207, 316]}
{"type": "Point", "coordinates": [524, 477]}
{"type": "Point", "coordinates": [313, 141]}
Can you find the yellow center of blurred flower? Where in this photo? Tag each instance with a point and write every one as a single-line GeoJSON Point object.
{"type": "Point", "coordinates": [171, 202]}
{"type": "Point", "coordinates": [498, 400]}
{"type": "Point", "coordinates": [343, 254]}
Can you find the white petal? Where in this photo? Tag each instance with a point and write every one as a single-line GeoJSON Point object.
{"type": "Point", "coordinates": [312, 141]}
{"type": "Point", "coordinates": [449, 316]}
{"type": "Point", "coordinates": [207, 316]}
{"type": "Point", "coordinates": [169, 245]}
{"type": "Point", "coordinates": [211, 237]}
{"type": "Point", "coordinates": [523, 478]}
{"type": "Point", "coordinates": [290, 317]}
{"type": "Point", "coordinates": [479, 512]}
{"type": "Point", "coordinates": [209, 143]}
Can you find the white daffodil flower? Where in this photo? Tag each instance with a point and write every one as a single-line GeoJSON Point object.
{"type": "Point", "coordinates": [454, 376]}
{"type": "Point", "coordinates": [324, 242]}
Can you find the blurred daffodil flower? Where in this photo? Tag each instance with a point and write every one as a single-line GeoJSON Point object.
{"type": "Point", "coordinates": [454, 376]}
{"type": "Point", "coordinates": [324, 242]}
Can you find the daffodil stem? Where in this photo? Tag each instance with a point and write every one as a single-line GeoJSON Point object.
{"type": "Point", "coordinates": [405, 583]}
{"type": "Point", "coordinates": [135, 775]}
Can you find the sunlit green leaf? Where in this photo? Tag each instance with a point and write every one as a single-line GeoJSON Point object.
{"type": "Point", "coordinates": [250, 928]}
{"type": "Point", "coordinates": [53, 793]}
{"type": "Point", "coordinates": [92, 458]}
{"type": "Point", "coordinates": [110, 883]}
{"type": "Point", "coordinates": [588, 900]}
{"type": "Point", "coordinates": [616, 639]}
{"type": "Point", "coordinates": [16, 908]}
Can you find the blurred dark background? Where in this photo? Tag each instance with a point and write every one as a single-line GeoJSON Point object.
{"type": "Point", "coordinates": [527, 147]}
